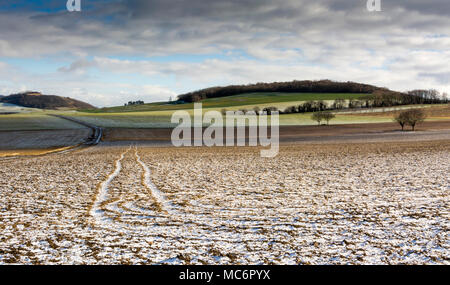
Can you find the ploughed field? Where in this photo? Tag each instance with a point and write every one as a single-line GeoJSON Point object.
{"type": "Point", "coordinates": [383, 203]}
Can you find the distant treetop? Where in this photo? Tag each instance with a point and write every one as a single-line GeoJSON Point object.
{"type": "Point", "coordinates": [307, 86]}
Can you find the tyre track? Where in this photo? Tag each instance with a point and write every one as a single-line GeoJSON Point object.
{"type": "Point", "coordinates": [101, 197]}
{"type": "Point", "coordinates": [159, 197]}
{"type": "Point", "coordinates": [104, 204]}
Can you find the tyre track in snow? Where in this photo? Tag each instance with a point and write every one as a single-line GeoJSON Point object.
{"type": "Point", "coordinates": [159, 197]}
{"type": "Point", "coordinates": [110, 215]}
{"type": "Point", "coordinates": [101, 197]}
{"type": "Point", "coordinates": [102, 201]}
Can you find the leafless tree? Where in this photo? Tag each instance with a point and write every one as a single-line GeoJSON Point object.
{"type": "Point", "coordinates": [339, 103]}
{"type": "Point", "coordinates": [410, 117]}
{"type": "Point", "coordinates": [316, 116]}
{"type": "Point", "coordinates": [401, 119]}
{"type": "Point", "coordinates": [415, 116]}
{"type": "Point", "coordinates": [327, 116]}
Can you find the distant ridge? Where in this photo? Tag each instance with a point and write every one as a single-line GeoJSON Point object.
{"type": "Point", "coordinates": [307, 86]}
{"type": "Point", "coordinates": [33, 99]}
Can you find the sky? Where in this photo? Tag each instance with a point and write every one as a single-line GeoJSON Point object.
{"type": "Point", "coordinates": [112, 52]}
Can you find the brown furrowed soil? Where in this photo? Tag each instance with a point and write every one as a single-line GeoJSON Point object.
{"type": "Point", "coordinates": [373, 132]}
{"type": "Point", "coordinates": [336, 203]}
{"type": "Point", "coordinates": [42, 139]}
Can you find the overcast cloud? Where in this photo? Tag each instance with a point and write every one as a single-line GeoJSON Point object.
{"type": "Point", "coordinates": [115, 51]}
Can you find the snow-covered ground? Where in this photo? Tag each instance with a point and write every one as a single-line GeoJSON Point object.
{"type": "Point", "coordinates": [7, 107]}
{"type": "Point", "coordinates": [365, 203]}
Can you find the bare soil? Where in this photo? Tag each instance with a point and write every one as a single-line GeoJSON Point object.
{"type": "Point", "coordinates": [53, 139]}
{"type": "Point", "coordinates": [390, 131]}
{"type": "Point", "coordinates": [42, 139]}
{"type": "Point", "coordinates": [353, 203]}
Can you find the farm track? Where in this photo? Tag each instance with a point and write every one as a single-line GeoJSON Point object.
{"type": "Point", "coordinates": [380, 203]}
{"type": "Point", "coordinates": [128, 201]}
{"type": "Point", "coordinates": [97, 131]}
{"type": "Point", "coordinates": [101, 201]}
{"type": "Point", "coordinates": [37, 143]}
{"type": "Point", "coordinates": [113, 204]}
{"type": "Point", "coordinates": [146, 181]}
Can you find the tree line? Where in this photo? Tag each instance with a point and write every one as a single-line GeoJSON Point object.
{"type": "Point", "coordinates": [305, 86]}
{"type": "Point", "coordinates": [131, 103]}
{"type": "Point", "coordinates": [375, 96]}
{"type": "Point", "coordinates": [378, 99]}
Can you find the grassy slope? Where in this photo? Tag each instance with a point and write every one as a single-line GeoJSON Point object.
{"type": "Point", "coordinates": [159, 114]}
{"type": "Point", "coordinates": [5, 107]}
{"type": "Point", "coordinates": [34, 121]}
{"type": "Point", "coordinates": [248, 100]}
{"type": "Point", "coordinates": [161, 119]}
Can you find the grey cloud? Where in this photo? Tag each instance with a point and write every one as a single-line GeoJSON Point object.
{"type": "Point", "coordinates": [159, 27]}
{"type": "Point", "coordinates": [79, 65]}
{"type": "Point", "coordinates": [330, 38]}
{"type": "Point", "coordinates": [440, 77]}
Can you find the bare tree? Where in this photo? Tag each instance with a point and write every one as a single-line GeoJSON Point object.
{"type": "Point", "coordinates": [339, 103]}
{"type": "Point", "coordinates": [401, 119]}
{"type": "Point", "coordinates": [269, 110]}
{"type": "Point", "coordinates": [354, 103]}
{"type": "Point", "coordinates": [317, 116]}
{"type": "Point", "coordinates": [410, 117]}
{"type": "Point", "coordinates": [415, 116]}
{"type": "Point", "coordinates": [320, 105]}
{"type": "Point", "coordinates": [327, 116]}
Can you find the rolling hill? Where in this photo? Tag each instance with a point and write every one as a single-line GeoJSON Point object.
{"type": "Point", "coordinates": [40, 101]}
{"type": "Point", "coordinates": [305, 86]}
{"type": "Point", "coordinates": [247, 100]}
{"type": "Point", "coordinates": [260, 94]}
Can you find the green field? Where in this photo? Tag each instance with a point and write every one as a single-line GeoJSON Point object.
{"type": "Point", "coordinates": [244, 100]}
{"type": "Point", "coordinates": [11, 108]}
{"type": "Point", "coordinates": [34, 121]}
{"type": "Point", "coordinates": [161, 119]}
{"type": "Point", "coordinates": [158, 115]}
{"type": "Point", "coordinates": [155, 119]}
